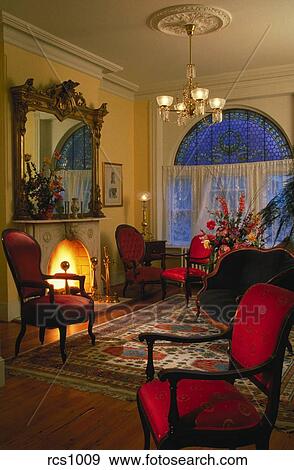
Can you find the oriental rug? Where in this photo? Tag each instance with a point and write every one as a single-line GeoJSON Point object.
{"type": "Point", "coordinates": [116, 364]}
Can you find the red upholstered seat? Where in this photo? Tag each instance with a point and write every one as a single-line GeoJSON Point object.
{"type": "Point", "coordinates": [131, 247]}
{"type": "Point", "coordinates": [197, 262]}
{"type": "Point", "coordinates": [180, 274]}
{"type": "Point", "coordinates": [192, 407]}
{"type": "Point", "coordinates": [202, 404]}
{"type": "Point", "coordinates": [69, 309]}
{"type": "Point", "coordinates": [38, 309]}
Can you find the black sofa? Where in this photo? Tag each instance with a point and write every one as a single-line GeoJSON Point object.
{"type": "Point", "coordinates": [235, 272]}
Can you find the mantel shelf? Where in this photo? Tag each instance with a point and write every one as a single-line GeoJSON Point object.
{"type": "Point", "coordinates": [58, 221]}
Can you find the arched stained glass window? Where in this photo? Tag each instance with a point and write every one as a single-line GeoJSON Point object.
{"type": "Point", "coordinates": [244, 136]}
{"type": "Point", "coordinates": [76, 151]}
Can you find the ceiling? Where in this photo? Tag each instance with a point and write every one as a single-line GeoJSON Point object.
{"type": "Point", "coordinates": [117, 31]}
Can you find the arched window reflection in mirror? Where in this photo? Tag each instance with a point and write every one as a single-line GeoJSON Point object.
{"type": "Point", "coordinates": [75, 164]}
{"type": "Point", "coordinates": [76, 150]}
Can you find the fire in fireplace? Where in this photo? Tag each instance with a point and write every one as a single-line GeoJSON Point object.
{"type": "Point", "coordinates": [76, 254]}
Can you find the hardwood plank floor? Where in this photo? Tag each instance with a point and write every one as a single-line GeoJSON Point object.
{"type": "Point", "coordinates": [68, 418]}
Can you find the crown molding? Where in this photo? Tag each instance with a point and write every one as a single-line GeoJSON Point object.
{"type": "Point", "coordinates": [119, 86]}
{"type": "Point", "coordinates": [254, 82]}
{"type": "Point", "coordinates": [33, 39]}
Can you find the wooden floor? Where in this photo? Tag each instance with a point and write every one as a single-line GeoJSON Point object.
{"type": "Point", "coordinates": [32, 416]}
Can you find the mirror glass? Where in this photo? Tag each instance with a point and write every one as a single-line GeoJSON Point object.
{"type": "Point", "coordinates": [66, 148]}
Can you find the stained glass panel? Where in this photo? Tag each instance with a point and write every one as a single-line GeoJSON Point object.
{"type": "Point", "coordinates": [76, 152]}
{"type": "Point", "coordinates": [243, 136]}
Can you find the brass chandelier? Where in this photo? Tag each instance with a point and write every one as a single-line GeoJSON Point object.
{"type": "Point", "coordinates": [195, 101]}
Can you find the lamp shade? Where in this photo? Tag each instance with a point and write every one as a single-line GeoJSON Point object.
{"type": "Point", "coordinates": [144, 196]}
{"type": "Point", "coordinates": [217, 103]}
{"type": "Point", "coordinates": [180, 106]}
{"type": "Point", "coordinates": [164, 100]}
{"type": "Point", "coordinates": [200, 93]}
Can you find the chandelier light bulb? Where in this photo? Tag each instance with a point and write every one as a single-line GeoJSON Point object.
{"type": "Point", "coordinates": [217, 103]}
{"type": "Point", "coordinates": [200, 94]}
{"type": "Point", "coordinates": [164, 100]}
{"type": "Point", "coordinates": [180, 106]}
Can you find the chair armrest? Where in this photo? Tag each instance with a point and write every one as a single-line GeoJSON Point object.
{"type": "Point", "coordinates": [184, 339]}
{"type": "Point", "coordinates": [175, 375]}
{"type": "Point", "coordinates": [152, 337]}
{"type": "Point", "coordinates": [42, 285]}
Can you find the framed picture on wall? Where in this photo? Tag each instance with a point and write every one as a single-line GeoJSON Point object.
{"type": "Point", "coordinates": [112, 184]}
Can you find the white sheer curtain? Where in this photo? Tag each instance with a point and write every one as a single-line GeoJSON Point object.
{"type": "Point", "coordinates": [77, 183]}
{"type": "Point", "coordinates": [189, 193]}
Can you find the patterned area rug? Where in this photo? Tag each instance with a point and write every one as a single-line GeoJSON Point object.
{"type": "Point", "coordinates": [116, 365]}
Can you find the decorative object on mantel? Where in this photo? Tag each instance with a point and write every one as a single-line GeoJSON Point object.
{"type": "Point", "coordinates": [189, 20]}
{"type": "Point", "coordinates": [42, 189]}
{"type": "Point", "coordinates": [64, 102]}
{"type": "Point", "coordinates": [232, 230]}
{"type": "Point", "coordinates": [112, 184]}
{"type": "Point", "coordinates": [75, 207]}
{"type": "Point", "coordinates": [144, 197]}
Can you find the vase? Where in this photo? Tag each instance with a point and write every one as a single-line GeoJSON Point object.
{"type": "Point", "coordinates": [48, 214]}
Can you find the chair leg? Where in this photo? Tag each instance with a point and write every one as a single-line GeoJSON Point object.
{"type": "Point", "coordinates": [197, 308]}
{"type": "Point", "coordinates": [90, 327]}
{"type": "Point", "coordinates": [42, 334]}
{"type": "Point", "coordinates": [142, 290]}
{"type": "Point", "coordinates": [289, 347]}
{"type": "Point", "coordinates": [125, 288]}
{"type": "Point", "coordinates": [145, 427]}
{"type": "Point", "coordinates": [163, 289]}
{"type": "Point", "coordinates": [263, 443]}
{"type": "Point", "coordinates": [62, 335]}
{"type": "Point", "coordinates": [188, 292]}
{"type": "Point", "coordinates": [20, 337]}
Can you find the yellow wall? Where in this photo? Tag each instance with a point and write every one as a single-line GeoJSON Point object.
{"type": "Point", "coordinates": [3, 264]}
{"type": "Point", "coordinates": [117, 145]}
{"type": "Point", "coordinates": [142, 161]}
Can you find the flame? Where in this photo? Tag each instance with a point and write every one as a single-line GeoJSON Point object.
{"type": "Point", "coordinates": [65, 251]}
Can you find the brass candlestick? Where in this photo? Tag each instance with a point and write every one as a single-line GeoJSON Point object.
{"type": "Point", "coordinates": [108, 297]}
{"type": "Point", "coordinates": [94, 291]}
{"type": "Point", "coordinates": [144, 197]}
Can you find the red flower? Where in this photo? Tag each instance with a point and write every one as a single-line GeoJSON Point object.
{"type": "Point", "coordinates": [211, 224]}
{"type": "Point", "coordinates": [223, 204]}
{"type": "Point", "coordinates": [242, 203]}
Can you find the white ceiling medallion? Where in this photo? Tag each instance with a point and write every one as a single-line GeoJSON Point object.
{"type": "Point", "coordinates": [172, 20]}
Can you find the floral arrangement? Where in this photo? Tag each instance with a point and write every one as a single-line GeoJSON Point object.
{"type": "Point", "coordinates": [231, 230]}
{"type": "Point", "coordinates": [42, 189]}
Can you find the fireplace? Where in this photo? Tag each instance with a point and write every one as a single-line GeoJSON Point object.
{"type": "Point", "coordinates": [72, 240]}
{"type": "Point", "coordinates": [78, 258]}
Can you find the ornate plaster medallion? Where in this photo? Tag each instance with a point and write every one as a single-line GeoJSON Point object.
{"type": "Point", "coordinates": [172, 20]}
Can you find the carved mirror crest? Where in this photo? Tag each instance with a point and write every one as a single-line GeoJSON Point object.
{"type": "Point", "coordinates": [56, 152]}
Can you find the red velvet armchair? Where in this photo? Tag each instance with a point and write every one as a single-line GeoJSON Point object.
{"type": "Point", "coordinates": [185, 408]}
{"type": "Point", "coordinates": [131, 247]}
{"type": "Point", "coordinates": [197, 265]}
{"type": "Point", "coordinates": [39, 308]}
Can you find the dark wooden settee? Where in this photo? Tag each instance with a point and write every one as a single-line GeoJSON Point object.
{"type": "Point", "coordinates": [235, 272]}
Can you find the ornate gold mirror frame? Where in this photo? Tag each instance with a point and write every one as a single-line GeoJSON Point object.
{"type": "Point", "coordinates": [63, 102]}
